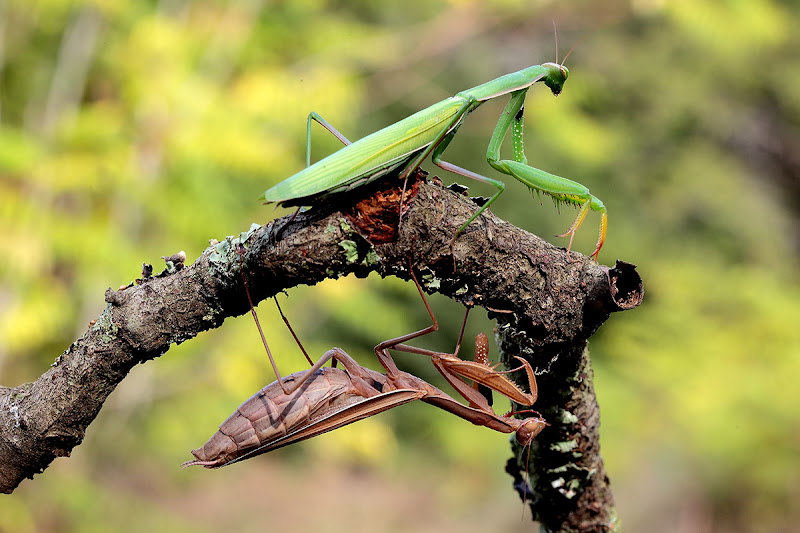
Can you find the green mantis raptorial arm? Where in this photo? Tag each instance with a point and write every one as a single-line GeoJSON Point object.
{"type": "Point", "coordinates": [560, 189]}
{"type": "Point", "coordinates": [403, 146]}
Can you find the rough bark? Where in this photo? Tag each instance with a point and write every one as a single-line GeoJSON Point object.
{"type": "Point", "coordinates": [546, 307]}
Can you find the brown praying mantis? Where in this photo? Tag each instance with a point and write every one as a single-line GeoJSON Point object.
{"type": "Point", "coordinates": [321, 399]}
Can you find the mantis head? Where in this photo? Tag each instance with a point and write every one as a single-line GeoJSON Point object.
{"type": "Point", "coordinates": [556, 75]}
{"type": "Point", "coordinates": [528, 429]}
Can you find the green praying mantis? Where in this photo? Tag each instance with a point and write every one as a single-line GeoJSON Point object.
{"type": "Point", "coordinates": [403, 146]}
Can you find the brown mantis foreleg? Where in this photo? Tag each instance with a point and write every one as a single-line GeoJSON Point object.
{"type": "Point", "coordinates": [484, 377]}
{"type": "Point", "coordinates": [479, 411]}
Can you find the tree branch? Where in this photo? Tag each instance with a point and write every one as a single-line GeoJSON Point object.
{"type": "Point", "coordinates": [546, 308]}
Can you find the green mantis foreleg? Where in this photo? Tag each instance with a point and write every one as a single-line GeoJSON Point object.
{"type": "Point", "coordinates": [560, 189]}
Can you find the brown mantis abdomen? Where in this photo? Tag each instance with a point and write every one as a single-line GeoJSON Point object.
{"type": "Point", "coordinates": [321, 400]}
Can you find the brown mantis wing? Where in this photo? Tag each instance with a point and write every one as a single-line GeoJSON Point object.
{"type": "Point", "coordinates": [320, 400]}
{"type": "Point", "coordinates": [353, 412]}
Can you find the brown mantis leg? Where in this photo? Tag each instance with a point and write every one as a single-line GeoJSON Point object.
{"type": "Point", "coordinates": [381, 350]}
{"type": "Point", "coordinates": [454, 370]}
{"type": "Point", "coordinates": [358, 374]}
{"type": "Point", "coordinates": [479, 412]}
{"type": "Point", "coordinates": [335, 354]}
{"type": "Point", "coordinates": [448, 364]}
{"type": "Point", "coordinates": [241, 250]}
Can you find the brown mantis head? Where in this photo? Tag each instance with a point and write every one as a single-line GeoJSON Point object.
{"type": "Point", "coordinates": [528, 429]}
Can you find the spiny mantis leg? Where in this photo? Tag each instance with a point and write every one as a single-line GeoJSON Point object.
{"type": "Point", "coordinates": [455, 370]}
{"type": "Point", "coordinates": [478, 411]}
{"type": "Point", "coordinates": [481, 349]}
{"type": "Point", "coordinates": [392, 372]}
{"type": "Point", "coordinates": [560, 189]}
{"type": "Point", "coordinates": [482, 357]}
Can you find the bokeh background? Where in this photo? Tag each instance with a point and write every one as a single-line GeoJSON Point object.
{"type": "Point", "coordinates": [133, 130]}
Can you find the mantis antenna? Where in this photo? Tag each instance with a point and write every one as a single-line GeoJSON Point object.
{"type": "Point", "coordinates": [575, 46]}
{"type": "Point", "coordinates": [555, 33]}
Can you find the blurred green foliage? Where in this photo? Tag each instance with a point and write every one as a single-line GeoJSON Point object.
{"type": "Point", "coordinates": [131, 130]}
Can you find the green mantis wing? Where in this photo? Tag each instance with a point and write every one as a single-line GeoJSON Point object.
{"type": "Point", "coordinates": [386, 149]}
{"type": "Point", "coordinates": [392, 147]}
